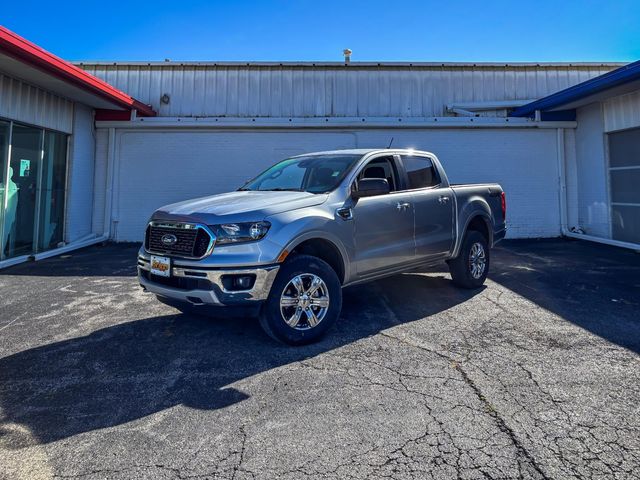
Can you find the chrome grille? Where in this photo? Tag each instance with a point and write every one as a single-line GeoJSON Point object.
{"type": "Point", "coordinates": [191, 240]}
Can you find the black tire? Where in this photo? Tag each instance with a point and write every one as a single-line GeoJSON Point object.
{"type": "Point", "coordinates": [461, 267]}
{"type": "Point", "coordinates": [271, 317]}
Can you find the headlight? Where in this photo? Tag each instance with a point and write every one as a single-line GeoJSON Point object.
{"type": "Point", "coordinates": [240, 232]}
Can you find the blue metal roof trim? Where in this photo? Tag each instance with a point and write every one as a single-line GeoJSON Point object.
{"type": "Point", "coordinates": [592, 86]}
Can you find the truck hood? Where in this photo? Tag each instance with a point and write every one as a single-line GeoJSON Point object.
{"type": "Point", "coordinates": [242, 206]}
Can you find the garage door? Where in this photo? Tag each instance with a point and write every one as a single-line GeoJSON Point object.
{"type": "Point", "coordinates": [624, 183]}
{"type": "Point", "coordinates": [158, 168]}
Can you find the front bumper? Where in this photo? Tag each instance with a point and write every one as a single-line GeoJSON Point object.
{"type": "Point", "coordinates": [205, 286]}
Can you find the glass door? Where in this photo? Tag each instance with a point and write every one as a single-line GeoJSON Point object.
{"type": "Point", "coordinates": [21, 191]}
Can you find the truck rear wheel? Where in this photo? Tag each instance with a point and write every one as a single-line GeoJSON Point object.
{"type": "Point", "coordinates": [470, 268]}
{"type": "Point", "coordinates": [304, 302]}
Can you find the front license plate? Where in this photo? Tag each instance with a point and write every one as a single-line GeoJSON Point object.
{"type": "Point", "coordinates": [161, 266]}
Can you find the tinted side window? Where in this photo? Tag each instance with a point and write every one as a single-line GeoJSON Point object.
{"type": "Point", "coordinates": [381, 168]}
{"type": "Point", "coordinates": [420, 172]}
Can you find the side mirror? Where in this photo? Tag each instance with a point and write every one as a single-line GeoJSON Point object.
{"type": "Point", "coordinates": [369, 187]}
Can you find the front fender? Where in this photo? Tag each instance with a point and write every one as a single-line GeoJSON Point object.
{"type": "Point", "coordinates": [295, 229]}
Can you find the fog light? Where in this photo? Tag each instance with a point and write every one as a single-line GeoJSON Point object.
{"type": "Point", "coordinates": [238, 282]}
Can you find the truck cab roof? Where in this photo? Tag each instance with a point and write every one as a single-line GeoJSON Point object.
{"type": "Point", "coordinates": [366, 151]}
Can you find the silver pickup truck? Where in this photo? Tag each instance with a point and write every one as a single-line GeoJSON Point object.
{"type": "Point", "coordinates": [286, 242]}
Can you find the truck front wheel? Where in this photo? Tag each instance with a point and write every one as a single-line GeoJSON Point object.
{"type": "Point", "coordinates": [470, 268]}
{"type": "Point", "coordinates": [304, 302]}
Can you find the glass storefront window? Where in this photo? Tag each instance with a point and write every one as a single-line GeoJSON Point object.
{"type": "Point", "coordinates": [32, 189]}
{"type": "Point", "coordinates": [22, 181]}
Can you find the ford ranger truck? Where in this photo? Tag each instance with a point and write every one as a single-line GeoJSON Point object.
{"type": "Point", "coordinates": [285, 243]}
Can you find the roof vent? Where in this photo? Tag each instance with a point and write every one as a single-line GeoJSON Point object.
{"type": "Point", "coordinates": [347, 55]}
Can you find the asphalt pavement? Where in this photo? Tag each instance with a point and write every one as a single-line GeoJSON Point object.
{"type": "Point", "coordinates": [537, 375]}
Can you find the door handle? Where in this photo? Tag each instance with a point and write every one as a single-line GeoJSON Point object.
{"type": "Point", "coordinates": [402, 206]}
{"type": "Point", "coordinates": [443, 199]}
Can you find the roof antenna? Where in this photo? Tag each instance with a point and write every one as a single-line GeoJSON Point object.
{"type": "Point", "coordinates": [390, 142]}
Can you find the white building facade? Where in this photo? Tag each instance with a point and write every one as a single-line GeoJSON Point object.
{"type": "Point", "coordinates": [220, 124]}
{"type": "Point", "coordinates": [138, 136]}
{"type": "Point", "coordinates": [600, 184]}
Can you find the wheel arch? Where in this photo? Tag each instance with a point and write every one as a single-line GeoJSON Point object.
{"type": "Point", "coordinates": [321, 245]}
{"type": "Point", "coordinates": [481, 223]}
{"type": "Point", "coordinates": [478, 221]}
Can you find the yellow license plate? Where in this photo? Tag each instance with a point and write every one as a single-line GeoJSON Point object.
{"type": "Point", "coordinates": [161, 266]}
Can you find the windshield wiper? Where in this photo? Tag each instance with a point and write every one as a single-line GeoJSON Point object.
{"type": "Point", "coordinates": [278, 189]}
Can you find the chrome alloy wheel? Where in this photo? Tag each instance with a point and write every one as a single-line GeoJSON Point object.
{"type": "Point", "coordinates": [477, 260]}
{"type": "Point", "coordinates": [304, 301]}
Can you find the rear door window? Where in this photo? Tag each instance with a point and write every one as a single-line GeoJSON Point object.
{"type": "Point", "coordinates": [421, 173]}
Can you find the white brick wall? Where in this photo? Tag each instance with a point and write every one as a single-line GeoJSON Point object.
{"type": "Point", "coordinates": [161, 167]}
{"type": "Point", "coordinates": [157, 168]}
{"type": "Point", "coordinates": [523, 161]}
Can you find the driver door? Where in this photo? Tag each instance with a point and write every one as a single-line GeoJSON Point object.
{"type": "Point", "coordinates": [383, 224]}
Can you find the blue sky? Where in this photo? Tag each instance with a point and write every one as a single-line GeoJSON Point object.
{"type": "Point", "coordinates": [391, 30]}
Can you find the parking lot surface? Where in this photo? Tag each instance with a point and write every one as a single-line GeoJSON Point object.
{"type": "Point", "coordinates": [537, 375]}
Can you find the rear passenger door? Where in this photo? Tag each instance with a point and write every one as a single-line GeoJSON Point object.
{"type": "Point", "coordinates": [433, 207]}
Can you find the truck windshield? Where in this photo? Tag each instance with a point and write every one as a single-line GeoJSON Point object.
{"type": "Point", "coordinates": [314, 174]}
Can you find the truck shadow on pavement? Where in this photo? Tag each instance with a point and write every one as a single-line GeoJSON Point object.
{"type": "Point", "coordinates": [131, 370]}
{"type": "Point", "coordinates": [593, 286]}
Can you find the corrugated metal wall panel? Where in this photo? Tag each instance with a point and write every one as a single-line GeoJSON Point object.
{"type": "Point", "coordinates": [81, 175]}
{"type": "Point", "coordinates": [592, 182]}
{"type": "Point", "coordinates": [283, 91]}
{"type": "Point", "coordinates": [100, 180]}
{"type": "Point", "coordinates": [571, 178]}
{"type": "Point", "coordinates": [622, 112]}
{"type": "Point", "coordinates": [25, 103]}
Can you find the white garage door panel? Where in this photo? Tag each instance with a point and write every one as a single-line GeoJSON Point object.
{"type": "Point", "coordinates": [158, 168]}
{"type": "Point", "coordinates": [523, 161]}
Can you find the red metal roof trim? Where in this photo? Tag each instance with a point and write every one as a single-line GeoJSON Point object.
{"type": "Point", "coordinates": [27, 52]}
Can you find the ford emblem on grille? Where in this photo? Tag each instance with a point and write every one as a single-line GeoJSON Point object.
{"type": "Point", "coordinates": [169, 239]}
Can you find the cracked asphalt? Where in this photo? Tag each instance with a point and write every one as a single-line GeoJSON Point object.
{"type": "Point", "coordinates": [535, 376]}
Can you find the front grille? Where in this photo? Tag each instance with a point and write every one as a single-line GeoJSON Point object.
{"type": "Point", "coordinates": [202, 243]}
{"type": "Point", "coordinates": [182, 283]}
{"type": "Point", "coordinates": [192, 242]}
